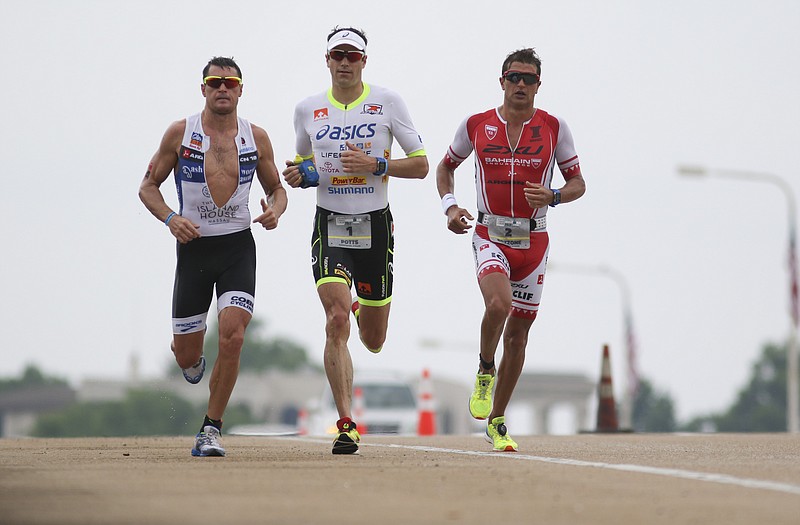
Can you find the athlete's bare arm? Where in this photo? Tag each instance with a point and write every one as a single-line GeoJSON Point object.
{"type": "Point", "coordinates": [456, 217]}
{"type": "Point", "coordinates": [276, 202]}
{"type": "Point", "coordinates": [355, 160]}
{"type": "Point", "coordinates": [161, 165]}
{"type": "Point", "coordinates": [539, 196]}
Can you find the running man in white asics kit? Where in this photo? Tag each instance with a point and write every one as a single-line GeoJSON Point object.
{"type": "Point", "coordinates": [214, 156]}
{"type": "Point", "coordinates": [345, 135]}
{"type": "Point", "coordinates": [516, 147]}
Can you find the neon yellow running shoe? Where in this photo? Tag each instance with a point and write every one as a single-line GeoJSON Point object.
{"type": "Point", "coordinates": [480, 402]}
{"type": "Point", "coordinates": [497, 435]}
{"type": "Point", "coordinates": [346, 441]}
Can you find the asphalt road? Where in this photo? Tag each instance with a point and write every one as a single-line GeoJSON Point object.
{"type": "Point", "coordinates": [589, 478]}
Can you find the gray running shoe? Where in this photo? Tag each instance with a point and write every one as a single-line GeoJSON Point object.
{"type": "Point", "coordinates": [195, 373]}
{"type": "Point", "coordinates": [207, 443]}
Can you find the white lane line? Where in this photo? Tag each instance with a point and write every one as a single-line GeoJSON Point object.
{"type": "Point", "coordinates": [641, 469]}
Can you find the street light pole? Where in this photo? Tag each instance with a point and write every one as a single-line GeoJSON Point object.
{"type": "Point", "coordinates": [632, 379]}
{"type": "Point", "coordinates": [792, 389]}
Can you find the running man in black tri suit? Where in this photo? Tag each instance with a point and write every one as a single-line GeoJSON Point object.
{"type": "Point", "coordinates": [214, 156]}
{"type": "Point", "coordinates": [347, 133]}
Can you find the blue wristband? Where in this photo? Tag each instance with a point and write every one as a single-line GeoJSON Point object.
{"type": "Point", "coordinates": [308, 172]}
{"type": "Point", "coordinates": [169, 218]}
{"type": "Point", "coordinates": [383, 166]}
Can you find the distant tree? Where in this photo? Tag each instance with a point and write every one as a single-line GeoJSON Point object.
{"type": "Point", "coordinates": [31, 376]}
{"type": "Point", "coordinates": [760, 406]}
{"type": "Point", "coordinates": [259, 353]}
{"type": "Point", "coordinates": [141, 413]}
{"type": "Point", "coordinates": [653, 411]}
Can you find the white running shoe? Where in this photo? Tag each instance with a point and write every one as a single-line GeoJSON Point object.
{"type": "Point", "coordinates": [207, 443]}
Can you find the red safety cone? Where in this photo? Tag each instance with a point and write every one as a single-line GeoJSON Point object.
{"type": "Point", "coordinates": [302, 422]}
{"type": "Point", "coordinates": [427, 413]}
{"type": "Point", "coordinates": [606, 408]}
{"type": "Point", "coordinates": [358, 410]}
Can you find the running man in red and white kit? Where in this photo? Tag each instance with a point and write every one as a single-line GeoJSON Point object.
{"type": "Point", "coordinates": [517, 147]}
{"type": "Point", "coordinates": [344, 139]}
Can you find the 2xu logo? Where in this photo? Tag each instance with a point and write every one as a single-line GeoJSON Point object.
{"type": "Point", "coordinates": [505, 150]}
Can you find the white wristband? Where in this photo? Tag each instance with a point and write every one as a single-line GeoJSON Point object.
{"type": "Point", "coordinates": [447, 201]}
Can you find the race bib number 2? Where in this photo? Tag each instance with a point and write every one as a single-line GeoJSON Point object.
{"type": "Point", "coordinates": [350, 231]}
{"type": "Point", "coordinates": [513, 232]}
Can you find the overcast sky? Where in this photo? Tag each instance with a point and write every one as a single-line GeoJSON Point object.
{"type": "Point", "coordinates": [644, 87]}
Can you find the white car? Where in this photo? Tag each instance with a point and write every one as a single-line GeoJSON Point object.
{"type": "Point", "coordinates": [382, 404]}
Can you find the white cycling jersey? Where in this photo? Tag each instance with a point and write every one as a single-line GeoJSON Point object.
{"type": "Point", "coordinates": [323, 126]}
{"type": "Point", "coordinates": [194, 196]}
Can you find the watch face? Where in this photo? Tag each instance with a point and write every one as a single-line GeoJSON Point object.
{"type": "Point", "coordinates": [381, 166]}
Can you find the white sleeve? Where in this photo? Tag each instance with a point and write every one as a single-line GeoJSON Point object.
{"type": "Point", "coordinates": [462, 146]}
{"type": "Point", "coordinates": [403, 129]}
{"type": "Point", "coordinates": [302, 143]}
{"type": "Point", "coordinates": [565, 147]}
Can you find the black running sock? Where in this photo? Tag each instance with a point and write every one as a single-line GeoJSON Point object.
{"type": "Point", "coordinates": [486, 367]}
{"type": "Point", "coordinates": [216, 423]}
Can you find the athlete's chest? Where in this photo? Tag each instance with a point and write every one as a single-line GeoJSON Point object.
{"type": "Point", "coordinates": [528, 149]}
{"type": "Point", "coordinates": [331, 125]}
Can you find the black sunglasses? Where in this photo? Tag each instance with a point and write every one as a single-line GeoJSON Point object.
{"type": "Point", "coordinates": [515, 76]}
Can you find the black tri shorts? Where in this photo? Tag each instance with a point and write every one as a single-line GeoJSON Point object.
{"type": "Point", "coordinates": [357, 250]}
{"type": "Point", "coordinates": [227, 262]}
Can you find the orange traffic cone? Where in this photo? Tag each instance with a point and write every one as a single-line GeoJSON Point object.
{"type": "Point", "coordinates": [606, 408]}
{"type": "Point", "coordinates": [358, 410]}
{"type": "Point", "coordinates": [302, 422]}
{"type": "Point", "coordinates": [427, 414]}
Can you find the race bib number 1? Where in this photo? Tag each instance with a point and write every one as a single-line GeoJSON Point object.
{"type": "Point", "coordinates": [350, 231]}
{"type": "Point", "coordinates": [510, 231]}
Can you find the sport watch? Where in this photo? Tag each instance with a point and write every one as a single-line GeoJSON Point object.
{"type": "Point", "coordinates": [382, 166]}
{"type": "Point", "coordinates": [556, 198]}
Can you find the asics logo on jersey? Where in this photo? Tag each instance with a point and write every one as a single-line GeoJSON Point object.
{"type": "Point", "coordinates": [361, 131]}
{"type": "Point", "coordinates": [505, 150]}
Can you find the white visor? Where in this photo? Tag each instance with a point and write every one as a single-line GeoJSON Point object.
{"type": "Point", "coordinates": [347, 37]}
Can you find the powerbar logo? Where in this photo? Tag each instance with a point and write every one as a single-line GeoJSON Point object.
{"type": "Point", "coordinates": [355, 180]}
